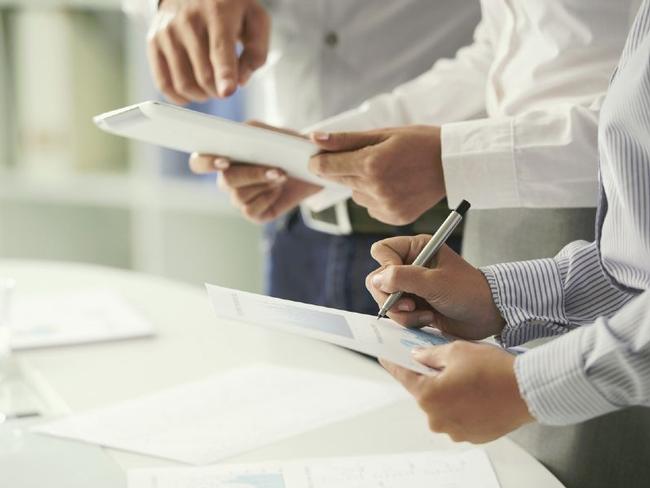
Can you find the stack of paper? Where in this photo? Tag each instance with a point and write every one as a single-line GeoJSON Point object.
{"type": "Point", "coordinates": [203, 422]}
{"type": "Point", "coordinates": [74, 317]}
{"type": "Point", "coordinates": [410, 470]}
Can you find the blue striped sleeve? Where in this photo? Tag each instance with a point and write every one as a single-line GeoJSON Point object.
{"type": "Point", "coordinates": [547, 297]}
{"type": "Point", "coordinates": [591, 371]}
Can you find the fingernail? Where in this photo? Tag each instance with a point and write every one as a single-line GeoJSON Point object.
{"type": "Point", "coordinates": [221, 163]}
{"type": "Point", "coordinates": [225, 87]}
{"type": "Point", "coordinates": [321, 136]}
{"type": "Point", "coordinates": [425, 318]}
{"type": "Point", "coordinates": [273, 174]}
{"type": "Point", "coordinates": [377, 279]}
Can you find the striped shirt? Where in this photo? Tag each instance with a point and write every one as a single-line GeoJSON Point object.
{"type": "Point", "coordinates": [595, 295]}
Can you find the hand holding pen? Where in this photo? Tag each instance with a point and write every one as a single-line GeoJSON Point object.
{"type": "Point", "coordinates": [431, 248]}
{"type": "Point", "coordinates": [454, 296]}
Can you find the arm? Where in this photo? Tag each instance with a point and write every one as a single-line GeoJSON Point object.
{"type": "Point", "coordinates": [453, 90]}
{"type": "Point", "coordinates": [591, 371]}
{"type": "Point", "coordinates": [552, 296]}
{"type": "Point", "coordinates": [542, 158]}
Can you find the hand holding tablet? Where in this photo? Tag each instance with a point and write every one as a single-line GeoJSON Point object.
{"type": "Point", "coordinates": [194, 132]}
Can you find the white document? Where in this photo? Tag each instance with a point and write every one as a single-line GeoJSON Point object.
{"type": "Point", "coordinates": [470, 468]}
{"type": "Point", "coordinates": [74, 317]}
{"type": "Point", "coordinates": [209, 420]}
{"type": "Point", "coordinates": [364, 333]}
{"type": "Point", "coordinates": [190, 131]}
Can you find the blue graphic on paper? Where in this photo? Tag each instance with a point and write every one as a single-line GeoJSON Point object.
{"type": "Point", "coordinates": [420, 338]}
{"type": "Point", "coordinates": [261, 480]}
{"type": "Point", "coordinates": [329, 323]}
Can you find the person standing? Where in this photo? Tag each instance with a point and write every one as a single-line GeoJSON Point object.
{"type": "Point", "coordinates": [589, 387]}
{"type": "Point", "coordinates": [315, 59]}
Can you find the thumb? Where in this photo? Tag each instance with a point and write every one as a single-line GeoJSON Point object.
{"type": "Point", "coordinates": [346, 141]}
{"type": "Point", "coordinates": [435, 356]}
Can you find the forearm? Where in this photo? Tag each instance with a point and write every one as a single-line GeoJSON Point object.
{"type": "Point", "coordinates": [546, 297]}
{"type": "Point", "coordinates": [591, 371]}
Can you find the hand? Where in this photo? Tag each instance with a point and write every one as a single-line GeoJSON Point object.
{"type": "Point", "coordinates": [395, 173]}
{"type": "Point", "coordinates": [262, 193]}
{"type": "Point", "coordinates": [474, 398]}
{"type": "Point", "coordinates": [192, 46]}
{"type": "Point", "coordinates": [453, 297]}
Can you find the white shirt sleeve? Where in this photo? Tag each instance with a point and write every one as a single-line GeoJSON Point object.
{"type": "Point", "coordinates": [591, 371]}
{"type": "Point", "coordinates": [543, 158]}
{"type": "Point", "coordinates": [452, 90]}
{"type": "Point", "coordinates": [594, 368]}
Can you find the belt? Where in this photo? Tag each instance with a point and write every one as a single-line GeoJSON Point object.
{"type": "Point", "coordinates": [349, 218]}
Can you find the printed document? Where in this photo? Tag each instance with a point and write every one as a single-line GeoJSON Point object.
{"type": "Point", "coordinates": [364, 333]}
{"type": "Point", "coordinates": [209, 420]}
{"type": "Point", "coordinates": [74, 317]}
{"type": "Point", "coordinates": [408, 470]}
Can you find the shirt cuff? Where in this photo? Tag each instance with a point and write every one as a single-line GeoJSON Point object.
{"type": "Point", "coordinates": [529, 296]}
{"type": "Point", "coordinates": [553, 382]}
{"type": "Point", "coordinates": [478, 163]}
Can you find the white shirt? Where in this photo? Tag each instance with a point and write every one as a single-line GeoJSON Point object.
{"type": "Point", "coordinates": [327, 56]}
{"type": "Point", "coordinates": [595, 295]}
{"type": "Point", "coordinates": [518, 107]}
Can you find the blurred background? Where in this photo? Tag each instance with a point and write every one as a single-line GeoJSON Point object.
{"type": "Point", "coordinates": [70, 192]}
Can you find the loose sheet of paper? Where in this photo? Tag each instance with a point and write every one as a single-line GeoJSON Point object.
{"type": "Point", "coordinates": [209, 420]}
{"type": "Point", "coordinates": [364, 333]}
{"type": "Point", "coordinates": [470, 468]}
{"type": "Point", "coordinates": [74, 317]}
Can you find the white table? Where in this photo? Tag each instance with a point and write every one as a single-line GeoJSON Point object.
{"type": "Point", "coordinates": [191, 344]}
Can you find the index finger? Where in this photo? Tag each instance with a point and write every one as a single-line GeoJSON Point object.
{"type": "Point", "coordinates": [398, 250]}
{"type": "Point", "coordinates": [206, 163]}
{"type": "Point", "coordinates": [336, 164]}
{"type": "Point", "coordinates": [222, 36]}
{"type": "Point", "coordinates": [255, 40]}
{"type": "Point", "coordinates": [409, 379]}
{"type": "Point", "coordinates": [241, 175]}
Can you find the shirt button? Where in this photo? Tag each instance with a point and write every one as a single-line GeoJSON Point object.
{"type": "Point", "coordinates": [331, 39]}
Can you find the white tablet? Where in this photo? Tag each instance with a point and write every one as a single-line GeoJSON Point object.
{"type": "Point", "coordinates": [190, 131]}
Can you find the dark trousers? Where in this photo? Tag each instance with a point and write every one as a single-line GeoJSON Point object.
{"type": "Point", "coordinates": [321, 269]}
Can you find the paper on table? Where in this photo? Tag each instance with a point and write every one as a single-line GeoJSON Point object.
{"type": "Point", "coordinates": [412, 470]}
{"type": "Point", "coordinates": [74, 317]}
{"type": "Point", "coordinates": [205, 421]}
{"type": "Point", "coordinates": [364, 333]}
